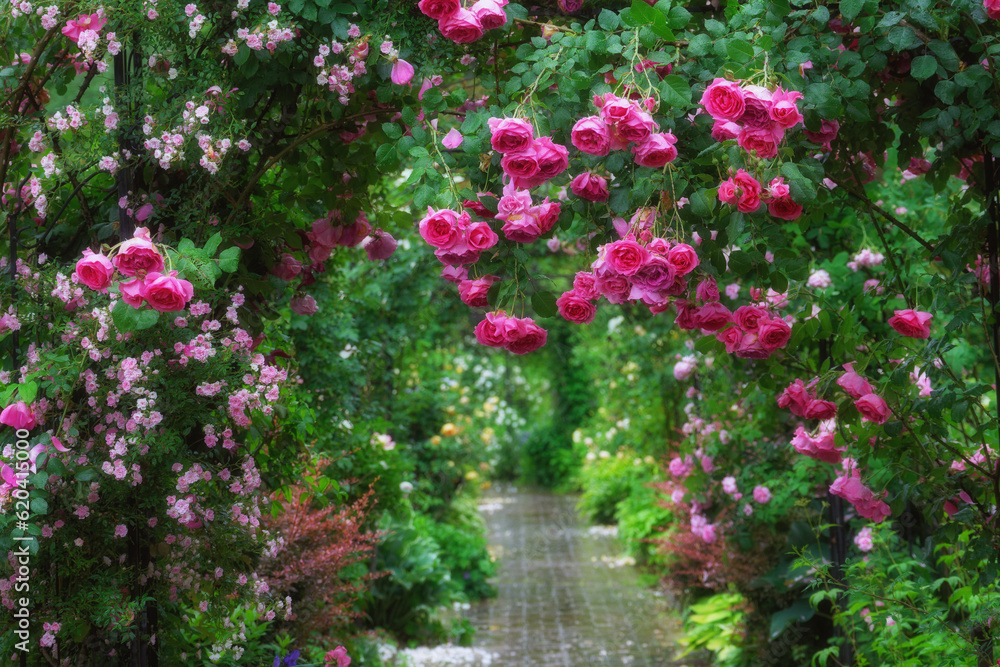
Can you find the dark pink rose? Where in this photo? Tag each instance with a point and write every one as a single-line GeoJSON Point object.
{"type": "Point", "coordinates": [636, 125]}
{"type": "Point", "coordinates": [166, 293]}
{"type": "Point", "coordinates": [510, 135]}
{"type": "Point", "coordinates": [489, 331]}
{"type": "Point", "coordinates": [731, 337]}
{"type": "Point", "coordinates": [713, 316]}
{"type": "Point", "coordinates": [379, 245]}
{"type": "Point", "coordinates": [784, 110]}
{"type": "Point", "coordinates": [750, 348]}
{"type": "Point", "coordinates": [481, 237]}
{"type": "Point", "coordinates": [873, 408]}
{"type": "Point", "coordinates": [707, 290]}
{"type": "Point", "coordinates": [461, 27]}
{"type": "Point", "coordinates": [784, 208]}
{"type": "Point", "coordinates": [656, 151]}
{"type": "Point", "coordinates": [138, 256]}
{"type": "Point", "coordinates": [304, 305]}
{"type": "Point", "coordinates": [742, 191]}
{"type": "Point", "coordinates": [18, 416]}
{"type": "Point", "coordinates": [132, 292]}
{"type": "Point", "coordinates": [749, 317]}
{"type": "Point", "coordinates": [94, 270]}
{"type": "Point", "coordinates": [683, 257]}
{"type": "Point", "coordinates": [826, 135]}
{"type": "Point", "coordinates": [525, 337]}
{"type": "Point", "coordinates": [687, 316]}
{"type": "Point", "coordinates": [576, 308]}
{"type": "Point", "coordinates": [723, 100]}
{"type": "Point", "coordinates": [818, 409]}
{"type": "Point", "coordinates": [912, 323]}
{"type": "Point", "coordinates": [757, 111]}
{"type": "Point", "coordinates": [522, 165]}
{"type": "Point", "coordinates": [795, 397]}
{"type": "Point", "coordinates": [773, 334]}
{"type": "Point", "coordinates": [443, 228]}
{"type": "Point", "coordinates": [657, 274]}
{"type": "Point", "coordinates": [439, 9]}
{"type": "Point", "coordinates": [591, 135]}
{"type": "Point", "coordinates": [287, 268]}
{"type": "Point", "coordinates": [590, 187]}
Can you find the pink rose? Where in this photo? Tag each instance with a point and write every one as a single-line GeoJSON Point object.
{"type": "Point", "coordinates": [748, 192]}
{"type": "Point", "coordinates": [724, 130]}
{"type": "Point", "coordinates": [707, 290]}
{"type": "Point", "coordinates": [822, 447]}
{"type": "Point", "coordinates": [576, 308]}
{"type": "Point", "coordinates": [749, 318]}
{"type": "Point", "coordinates": [784, 208]}
{"type": "Point", "coordinates": [461, 27]}
{"type": "Point", "coordinates": [481, 237]}
{"type": "Point", "coordinates": [912, 323]}
{"type": "Point", "coordinates": [324, 233]}
{"type": "Point", "coordinates": [625, 257]}
{"type": "Point", "coordinates": [687, 316]}
{"type": "Point", "coordinates": [683, 258]}
{"type": "Point", "coordinates": [784, 110]}
{"type": "Point", "coordinates": [94, 270]}
{"type": "Point", "coordinates": [590, 187]}
{"type": "Point", "coordinates": [138, 256]}
{"type": "Point", "coordinates": [522, 166]}
{"type": "Point", "coordinates": [614, 109]}
{"type": "Point", "coordinates": [992, 8]}
{"type": "Point", "coordinates": [614, 287]}
{"type": "Point", "coordinates": [454, 274]}
{"type": "Point", "coordinates": [510, 135]}
{"type": "Point", "coordinates": [288, 268]}
{"type": "Point", "coordinates": [795, 397]}
{"type": "Point", "coordinates": [867, 504]}
{"type": "Point", "coordinates": [402, 72]}
{"type": "Point", "coordinates": [585, 285]}
{"type": "Point", "coordinates": [18, 416]}
{"type": "Point", "coordinates": [522, 227]}
{"type": "Point", "coordinates": [443, 228]}
{"type": "Point", "coordinates": [818, 409]}
{"type": "Point", "coordinates": [826, 135]}
{"type": "Point", "coordinates": [731, 337]}
{"type": "Point", "coordinates": [473, 292]}
{"type": "Point", "coordinates": [340, 655]}
{"type": "Point", "coordinates": [525, 337]}
{"type": "Point", "coordinates": [750, 348]}
{"type": "Point", "coordinates": [757, 113]}
{"type": "Point", "coordinates": [304, 305]}
{"type": "Point", "coordinates": [457, 254]}
{"type": "Point", "coordinates": [855, 385]}
{"type": "Point", "coordinates": [713, 316]}
{"type": "Point", "coordinates": [777, 188]}
{"type": "Point", "coordinates": [548, 213]}
{"type": "Point", "coordinates": [724, 100]}
{"type": "Point", "coordinates": [657, 274]}
{"type": "Point", "coordinates": [166, 293]}
{"type": "Point", "coordinates": [439, 9]}
{"type": "Point", "coordinates": [132, 292]}
{"type": "Point", "coordinates": [553, 158]}
{"type": "Point", "coordinates": [379, 245]}
{"type": "Point", "coordinates": [636, 125]}
{"type": "Point", "coordinates": [490, 13]}
{"type": "Point", "coordinates": [873, 408]}
{"type": "Point", "coordinates": [656, 151]}
{"type": "Point", "coordinates": [73, 29]}
{"type": "Point", "coordinates": [489, 331]}
{"type": "Point", "coordinates": [760, 141]}
{"type": "Point", "coordinates": [773, 334]}
{"type": "Point", "coordinates": [762, 494]}
{"type": "Point", "coordinates": [591, 135]}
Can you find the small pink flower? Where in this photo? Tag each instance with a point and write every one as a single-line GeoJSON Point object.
{"type": "Point", "coordinates": [761, 494]}
{"type": "Point", "coordinates": [452, 140]}
{"type": "Point", "coordinates": [402, 72]}
{"type": "Point", "coordinates": [121, 530]}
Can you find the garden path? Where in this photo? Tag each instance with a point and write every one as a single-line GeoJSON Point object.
{"type": "Point", "coordinates": [565, 598]}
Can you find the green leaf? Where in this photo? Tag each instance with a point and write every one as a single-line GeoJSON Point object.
{"type": "Point", "coordinates": [608, 20]}
{"type": "Point", "coordinates": [923, 67]}
{"type": "Point", "coordinates": [85, 475]}
{"type": "Point", "coordinates": [678, 18]}
{"type": "Point", "coordinates": [392, 130]}
{"type": "Point", "coordinates": [643, 14]}
{"type": "Point", "coordinates": [212, 244]}
{"type": "Point", "coordinates": [958, 411]}
{"type": "Point", "coordinates": [946, 55]}
{"type": "Point", "coordinates": [596, 42]}
{"type": "Point", "coordinates": [385, 156]}
{"type": "Point", "coordinates": [39, 506]}
{"type": "Point", "coordinates": [893, 428]}
{"type": "Point", "coordinates": [242, 55]}
{"type": "Point", "coordinates": [28, 391]}
{"type": "Point", "coordinates": [739, 263]}
{"type": "Point", "coordinates": [675, 91]}
{"type": "Point", "coordinates": [946, 91]}
{"type": "Point", "coordinates": [127, 318]}
{"type": "Point", "coordinates": [229, 259]}
{"type": "Point", "coordinates": [739, 50]}
{"type": "Point", "coordinates": [544, 304]}
{"type": "Point", "coordinates": [849, 9]}
{"type": "Point", "coordinates": [424, 196]}
{"type": "Point", "coordinates": [702, 203]}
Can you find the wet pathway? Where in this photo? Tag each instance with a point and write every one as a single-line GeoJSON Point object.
{"type": "Point", "coordinates": [566, 598]}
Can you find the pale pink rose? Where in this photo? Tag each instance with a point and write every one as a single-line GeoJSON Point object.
{"type": "Point", "coordinates": [452, 140]}
{"type": "Point", "coordinates": [138, 255]}
{"type": "Point", "coordinates": [94, 270]}
{"type": "Point", "coordinates": [590, 187]}
{"type": "Point", "coordinates": [724, 100]}
{"type": "Point", "coordinates": [724, 130]}
{"type": "Point", "coordinates": [462, 27]}
{"type": "Point", "coordinates": [762, 494]}
{"type": "Point", "coordinates": [510, 135]}
{"type": "Point", "coordinates": [74, 28]}
{"type": "Point", "coordinates": [912, 323]}
{"type": "Point", "coordinates": [402, 72]}
{"type": "Point", "coordinates": [166, 293]}
{"type": "Point", "coordinates": [591, 135]}
{"type": "Point", "coordinates": [304, 305]}
{"type": "Point", "coordinates": [490, 13]}
{"type": "Point", "coordinates": [656, 151]}
{"type": "Point", "coordinates": [575, 307]}
{"type": "Point", "coordinates": [439, 9]}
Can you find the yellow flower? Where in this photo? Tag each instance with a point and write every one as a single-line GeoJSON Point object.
{"type": "Point", "coordinates": [449, 429]}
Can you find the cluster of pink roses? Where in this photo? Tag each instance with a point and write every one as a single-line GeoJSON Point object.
{"type": "Point", "coordinates": [457, 238]}
{"type": "Point", "coordinates": [849, 487]}
{"type": "Point", "coordinates": [621, 122]}
{"type": "Point", "coordinates": [472, 291]}
{"type": "Point", "coordinates": [746, 193]}
{"type": "Point", "coordinates": [462, 25]}
{"type": "Point", "coordinates": [527, 161]}
{"type": "Point", "coordinates": [753, 115]}
{"type": "Point", "coordinates": [524, 221]}
{"type": "Point", "coordinates": [138, 259]}
{"type": "Point", "coordinates": [750, 332]}
{"type": "Point", "coordinates": [519, 335]}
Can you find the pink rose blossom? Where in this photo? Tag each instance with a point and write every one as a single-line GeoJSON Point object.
{"type": "Point", "coordinates": [912, 323]}
{"type": "Point", "coordinates": [590, 187]}
{"type": "Point", "coordinates": [461, 27]}
{"type": "Point", "coordinates": [138, 256]}
{"type": "Point", "coordinates": [166, 293]}
{"type": "Point", "coordinates": [94, 270]}
{"type": "Point", "coordinates": [402, 72]}
{"type": "Point", "coordinates": [723, 100]}
{"type": "Point", "coordinates": [510, 135]}
{"type": "Point", "coordinates": [591, 135]}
